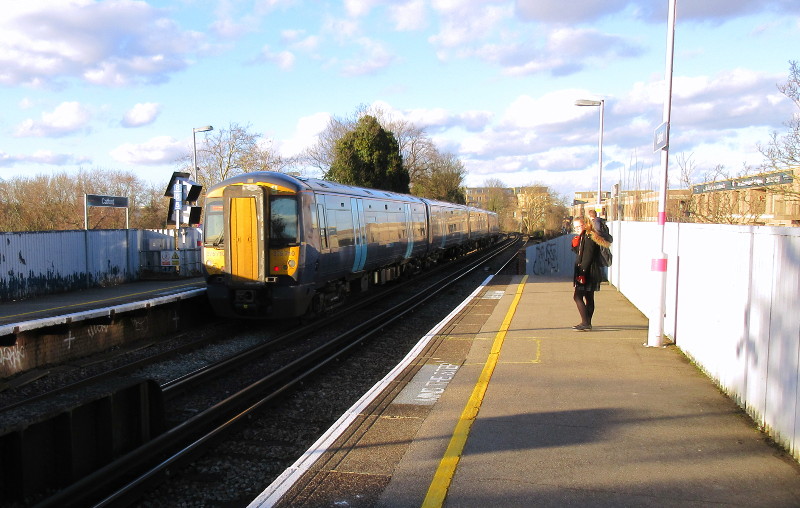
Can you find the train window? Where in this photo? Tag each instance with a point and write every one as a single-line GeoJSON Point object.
{"type": "Point", "coordinates": [283, 220]}
{"type": "Point", "coordinates": [213, 225]}
{"type": "Point", "coordinates": [323, 227]}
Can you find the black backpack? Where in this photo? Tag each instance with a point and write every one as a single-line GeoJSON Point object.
{"type": "Point", "coordinates": [605, 258]}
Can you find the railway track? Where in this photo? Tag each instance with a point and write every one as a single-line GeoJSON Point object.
{"type": "Point", "coordinates": [187, 439]}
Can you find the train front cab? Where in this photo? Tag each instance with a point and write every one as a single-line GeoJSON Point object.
{"type": "Point", "coordinates": [253, 254]}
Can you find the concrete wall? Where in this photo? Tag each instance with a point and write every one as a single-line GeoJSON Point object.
{"type": "Point", "coordinates": [46, 262]}
{"type": "Point", "coordinates": [732, 306]}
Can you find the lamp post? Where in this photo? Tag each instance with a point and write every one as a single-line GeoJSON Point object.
{"type": "Point", "coordinates": [194, 146]}
{"type": "Point", "coordinates": [601, 103]}
{"type": "Point", "coordinates": [655, 332]}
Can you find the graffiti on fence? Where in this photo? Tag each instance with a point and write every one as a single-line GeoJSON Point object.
{"type": "Point", "coordinates": [545, 259]}
{"type": "Point", "coordinates": [12, 356]}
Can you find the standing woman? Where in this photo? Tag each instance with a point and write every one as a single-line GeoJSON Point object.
{"type": "Point", "coordinates": [588, 273]}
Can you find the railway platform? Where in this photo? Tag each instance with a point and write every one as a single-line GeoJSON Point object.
{"type": "Point", "coordinates": [506, 405]}
{"type": "Point", "coordinates": [64, 326]}
{"type": "Point", "coordinates": [41, 310]}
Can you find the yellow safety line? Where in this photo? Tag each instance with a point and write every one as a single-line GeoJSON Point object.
{"type": "Point", "coordinates": [447, 467]}
{"type": "Point", "coordinates": [97, 301]}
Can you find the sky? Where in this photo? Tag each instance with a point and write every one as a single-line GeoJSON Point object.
{"type": "Point", "coordinates": [120, 84]}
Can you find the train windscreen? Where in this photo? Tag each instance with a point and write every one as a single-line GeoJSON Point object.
{"type": "Point", "coordinates": [283, 220]}
{"type": "Point", "coordinates": [213, 225]}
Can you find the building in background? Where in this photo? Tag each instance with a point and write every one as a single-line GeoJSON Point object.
{"type": "Point", "coordinates": [770, 199]}
{"type": "Point", "coordinates": [532, 209]}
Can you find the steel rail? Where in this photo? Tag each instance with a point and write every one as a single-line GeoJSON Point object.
{"type": "Point", "coordinates": [202, 374]}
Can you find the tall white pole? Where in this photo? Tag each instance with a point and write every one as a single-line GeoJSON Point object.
{"type": "Point", "coordinates": [194, 154]}
{"type": "Point", "coordinates": [600, 158]}
{"type": "Point", "coordinates": [655, 333]}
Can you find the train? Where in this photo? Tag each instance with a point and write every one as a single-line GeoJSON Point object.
{"type": "Point", "coordinates": [283, 246]}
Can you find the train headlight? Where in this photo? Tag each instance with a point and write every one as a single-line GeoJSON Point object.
{"type": "Point", "coordinates": [292, 263]}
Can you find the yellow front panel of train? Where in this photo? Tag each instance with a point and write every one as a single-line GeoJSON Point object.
{"type": "Point", "coordinates": [244, 244]}
{"type": "Point", "coordinates": [214, 260]}
{"type": "Point", "coordinates": [284, 261]}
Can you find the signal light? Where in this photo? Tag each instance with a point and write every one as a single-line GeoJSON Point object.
{"type": "Point", "coordinates": [182, 193]}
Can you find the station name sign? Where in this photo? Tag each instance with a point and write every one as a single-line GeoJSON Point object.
{"type": "Point", "coordinates": [747, 182]}
{"type": "Point", "coordinates": [112, 201]}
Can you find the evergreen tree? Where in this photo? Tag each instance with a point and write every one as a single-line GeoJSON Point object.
{"type": "Point", "coordinates": [369, 156]}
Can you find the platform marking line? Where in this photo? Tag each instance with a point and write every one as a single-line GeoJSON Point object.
{"type": "Point", "coordinates": [96, 301]}
{"type": "Point", "coordinates": [275, 491]}
{"type": "Point", "coordinates": [537, 354]}
{"type": "Point", "coordinates": [437, 492]}
{"type": "Point", "coordinates": [536, 358]}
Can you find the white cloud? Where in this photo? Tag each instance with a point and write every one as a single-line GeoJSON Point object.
{"type": "Point", "coordinates": [409, 16]}
{"type": "Point", "coordinates": [297, 39]}
{"type": "Point", "coordinates": [357, 8]}
{"type": "Point", "coordinates": [526, 112]}
{"type": "Point", "coordinates": [141, 114]}
{"type": "Point", "coordinates": [340, 29]}
{"type": "Point", "coordinates": [587, 11]}
{"type": "Point", "coordinates": [463, 24]}
{"type": "Point", "coordinates": [47, 157]}
{"type": "Point", "coordinates": [111, 43]}
{"type": "Point", "coordinates": [283, 59]}
{"type": "Point", "coordinates": [441, 119]}
{"type": "Point", "coordinates": [372, 57]}
{"type": "Point", "coordinates": [157, 151]}
{"type": "Point", "coordinates": [305, 134]}
{"type": "Point", "coordinates": [67, 118]}
{"type": "Point", "coordinates": [578, 10]}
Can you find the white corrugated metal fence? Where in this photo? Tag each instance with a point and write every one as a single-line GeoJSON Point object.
{"type": "Point", "coordinates": [732, 306]}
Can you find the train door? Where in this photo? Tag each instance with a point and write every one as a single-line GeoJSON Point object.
{"type": "Point", "coordinates": [409, 230]}
{"type": "Point", "coordinates": [245, 222]}
{"type": "Point", "coordinates": [359, 234]}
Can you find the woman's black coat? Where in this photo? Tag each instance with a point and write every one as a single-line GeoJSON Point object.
{"type": "Point", "coordinates": [587, 263]}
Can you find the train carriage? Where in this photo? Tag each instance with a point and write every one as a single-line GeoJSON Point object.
{"type": "Point", "coordinates": [277, 246]}
{"type": "Point", "coordinates": [449, 228]}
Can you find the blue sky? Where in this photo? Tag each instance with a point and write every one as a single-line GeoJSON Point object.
{"type": "Point", "coordinates": [120, 84]}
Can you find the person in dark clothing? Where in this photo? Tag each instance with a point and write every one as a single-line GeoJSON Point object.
{"type": "Point", "coordinates": [588, 273]}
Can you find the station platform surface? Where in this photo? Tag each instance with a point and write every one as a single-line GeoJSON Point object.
{"type": "Point", "coordinates": [41, 310]}
{"type": "Point", "coordinates": [508, 406]}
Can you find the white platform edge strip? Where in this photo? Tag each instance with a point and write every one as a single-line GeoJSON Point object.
{"type": "Point", "coordinates": [273, 493]}
{"type": "Point", "coordinates": [94, 313]}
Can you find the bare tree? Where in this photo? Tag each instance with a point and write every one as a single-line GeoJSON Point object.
{"type": "Point", "coordinates": [441, 178]}
{"type": "Point", "coordinates": [22, 207]}
{"type": "Point", "coordinates": [541, 210]}
{"type": "Point", "coordinates": [783, 151]}
{"type": "Point", "coordinates": [720, 207]}
{"type": "Point", "coordinates": [233, 151]}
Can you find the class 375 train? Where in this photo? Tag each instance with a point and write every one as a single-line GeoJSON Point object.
{"type": "Point", "coordinates": [280, 246]}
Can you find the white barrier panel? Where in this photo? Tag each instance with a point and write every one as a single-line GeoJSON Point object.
{"type": "Point", "coordinates": [45, 262]}
{"type": "Point", "coordinates": [731, 306]}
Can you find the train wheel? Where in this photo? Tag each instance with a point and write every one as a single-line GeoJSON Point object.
{"type": "Point", "coordinates": [318, 305]}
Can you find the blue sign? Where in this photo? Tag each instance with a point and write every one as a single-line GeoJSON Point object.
{"type": "Point", "coordinates": [112, 201]}
{"type": "Point", "coordinates": [661, 138]}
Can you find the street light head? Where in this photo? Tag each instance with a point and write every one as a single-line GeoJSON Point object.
{"type": "Point", "coordinates": [203, 129]}
{"type": "Point", "coordinates": [587, 102]}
